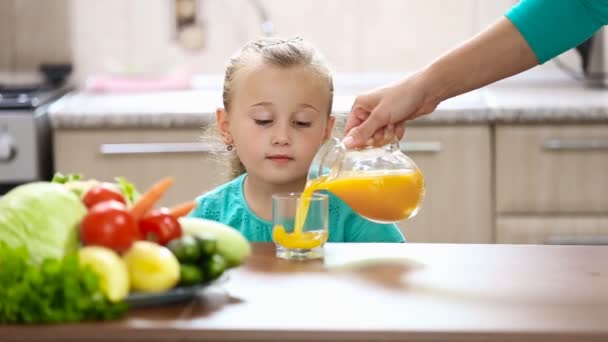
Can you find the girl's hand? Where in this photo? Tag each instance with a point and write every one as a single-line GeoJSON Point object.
{"type": "Point", "coordinates": [378, 117]}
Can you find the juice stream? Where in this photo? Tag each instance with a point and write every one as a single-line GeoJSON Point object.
{"type": "Point", "coordinates": [380, 196]}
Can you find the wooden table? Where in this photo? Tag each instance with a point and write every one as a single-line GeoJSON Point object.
{"type": "Point", "coordinates": [426, 292]}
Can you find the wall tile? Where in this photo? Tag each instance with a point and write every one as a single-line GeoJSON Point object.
{"type": "Point", "coordinates": [487, 12]}
{"type": "Point", "coordinates": [405, 35]}
{"type": "Point", "coordinates": [329, 25]}
{"type": "Point", "coordinates": [354, 35]}
{"type": "Point", "coordinates": [41, 33]}
{"type": "Point", "coordinates": [99, 36]}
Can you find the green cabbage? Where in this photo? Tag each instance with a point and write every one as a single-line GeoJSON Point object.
{"type": "Point", "coordinates": [43, 217]}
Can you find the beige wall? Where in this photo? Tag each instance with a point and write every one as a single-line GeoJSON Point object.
{"type": "Point", "coordinates": [138, 35]}
{"type": "Point", "coordinates": [355, 35]}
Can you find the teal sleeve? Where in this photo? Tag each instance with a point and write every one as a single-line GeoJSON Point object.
{"type": "Point", "coordinates": [359, 229]}
{"type": "Point", "coordinates": [553, 26]}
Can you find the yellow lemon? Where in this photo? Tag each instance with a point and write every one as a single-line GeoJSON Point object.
{"type": "Point", "coordinates": [152, 267]}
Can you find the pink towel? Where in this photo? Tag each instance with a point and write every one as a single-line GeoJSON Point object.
{"type": "Point", "coordinates": [123, 84]}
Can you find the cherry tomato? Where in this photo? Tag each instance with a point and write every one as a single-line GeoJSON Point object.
{"type": "Point", "coordinates": [101, 193]}
{"type": "Point", "coordinates": [109, 224]}
{"type": "Point", "coordinates": [160, 227]}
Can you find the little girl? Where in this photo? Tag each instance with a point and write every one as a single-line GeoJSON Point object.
{"type": "Point", "coordinates": [277, 112]}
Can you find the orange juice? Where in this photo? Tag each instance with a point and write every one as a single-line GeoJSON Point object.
{"type": "Point", "coordinates": [299, 239]}
{"type": "Point", "coordinates": [383, 196]}
{"type": "Point", "coordinates": [380, 196]}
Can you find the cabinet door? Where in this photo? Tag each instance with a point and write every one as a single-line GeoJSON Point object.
{"type": "Point", "coordinates": [552, 169]}
{"type": "Point", "coordinates": [456, 164]}
{"type": "Point", "coordinates": [552, 230]}
{"type": "Point", "coordinates": [143, 157]}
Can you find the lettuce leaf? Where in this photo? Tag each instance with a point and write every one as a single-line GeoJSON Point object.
{"type": "Point", "coordinates": [127, 189]}
{"type": "Point", "coordinates": [78, 185]}
{"type": "Point", "coordinates": [42, 217]}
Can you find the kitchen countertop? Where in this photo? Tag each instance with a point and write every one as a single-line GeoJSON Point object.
{"type": "Point", "coordinates": [427, 292]}
{"type": "Point", "coordinates": [531, 97]}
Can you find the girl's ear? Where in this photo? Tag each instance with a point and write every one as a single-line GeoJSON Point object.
{"type": "Point", "coordinates": [331, 121]}
{"type": "Point", "coordinates": [223, 125]}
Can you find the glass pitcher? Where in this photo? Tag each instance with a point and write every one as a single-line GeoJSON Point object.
{"type": "Point", "coordinates": [381, 184]}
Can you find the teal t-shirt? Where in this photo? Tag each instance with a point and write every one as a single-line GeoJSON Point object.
{"type": "Point", "coordinates": [227, 204]}
{"type": "Point", "coordinates": [553, 26]}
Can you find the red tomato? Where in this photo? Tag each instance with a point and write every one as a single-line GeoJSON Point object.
{"type": "Point", "coordinates": [101, 193]}
{"type": "Point", "coordinates": [109, 224]}
{"type": "Point", "coordinates": [160, 227]}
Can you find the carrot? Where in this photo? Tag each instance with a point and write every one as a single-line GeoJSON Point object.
{"type": "Point", "coordinates": [150, 197]}
{"type": "Point", "coordinates": [182, 209]}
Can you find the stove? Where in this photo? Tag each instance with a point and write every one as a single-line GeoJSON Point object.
{"type": "Point", "coordinates": [25, 134]}
{"type": "Point", "coordinates": [27, 96]}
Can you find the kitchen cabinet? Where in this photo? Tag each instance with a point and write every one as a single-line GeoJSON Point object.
{"type": "Point", "coordinates": [551, 180]}
{"type": "Point", "coordinates": [569, 229]}
{"type": "Point", "coordinates": [521, 161]}
{"type": "Point", "coordinates": [454, 211]}
{"type": "Point", "coordinates": [484, 183]}
{"type": "Point", "coordinates": [143, 156]}
{"type": "Point", "coordinates": [456, 162]}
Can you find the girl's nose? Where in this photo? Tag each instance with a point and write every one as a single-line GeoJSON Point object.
{"type": "Point", "coordinates": [280, 135]}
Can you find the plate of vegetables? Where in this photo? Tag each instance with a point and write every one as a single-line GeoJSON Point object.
{"type": "Point", "coordinates": [108, 246]}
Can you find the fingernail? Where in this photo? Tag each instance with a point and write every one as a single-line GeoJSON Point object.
{"type": "Point", "coordinates": [348, 141]}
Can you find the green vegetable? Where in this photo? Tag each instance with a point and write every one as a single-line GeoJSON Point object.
{"type": "Point", "coordinates": [62, 179]}
{"type": "Point", "coordinates": [185, 249]}
{"type": "Point", "coordinates": [190, 275]}
{"type": "Point", "coordinates": [128, 190]}
{"type": "Point", "coordinates": [207, 245]}
{"type": "Point", "coordinates": [42, 216]}
{"type": "Point", "coordinates": [79, 186]}
{"type": "Point", "coordinates": [214, 267]}
{"type": "Point", "coordinates": [56, 291]}
{"type": "Point", "coordinates": [231, 244]}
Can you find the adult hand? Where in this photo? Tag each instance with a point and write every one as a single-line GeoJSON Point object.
{"type": "Point", "coordinates": [378, 116]}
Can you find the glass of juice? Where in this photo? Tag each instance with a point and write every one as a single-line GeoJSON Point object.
{"type": "Point", "coordinates": [300, 225]}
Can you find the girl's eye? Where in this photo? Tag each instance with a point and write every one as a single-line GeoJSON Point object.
{"type": "Point", "coordinates": [302, 123]}
{"type": "Point", "coordinates": [262, 122]}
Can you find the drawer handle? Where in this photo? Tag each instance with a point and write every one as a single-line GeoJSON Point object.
{"type": "Point", "coordinates": [575, 145]}
{"type": "Point", "coordinates": [154, 148]}
{"type": "Point", "coordinates": [420, 146]}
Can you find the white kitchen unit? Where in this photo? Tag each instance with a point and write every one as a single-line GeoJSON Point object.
{"type": "Point", "coordinates": [456, 163]}
{"type": "Point", "coordinates": [551, 182]}
{"type": "Point", "coordinates": [143, 156]}
{"type": "Point", "coordinates": [521, 161]}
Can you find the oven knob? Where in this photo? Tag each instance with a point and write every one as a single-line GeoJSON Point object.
{"type": "Point", "coordinates": [8, 148]}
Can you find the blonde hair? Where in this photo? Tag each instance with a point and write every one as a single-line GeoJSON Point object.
{"type": "Point", "coordinates": [276, 52]}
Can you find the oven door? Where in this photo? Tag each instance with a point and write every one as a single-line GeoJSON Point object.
{"type": "Point", "coordinates": [20, 149]}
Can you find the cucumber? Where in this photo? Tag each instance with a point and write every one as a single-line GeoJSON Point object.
{"type": "Point", "coordinates": [207, 245]}
{"type": "Point", "coordinates": [231, 244]}
{"type": "Point", "coordinates": [214, 267]}
{"type": "Point", "coordinates": [190, 275]}
{"type": "Point", "coordinates": [186, 249]}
